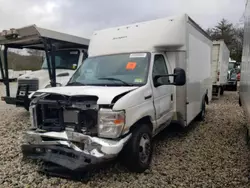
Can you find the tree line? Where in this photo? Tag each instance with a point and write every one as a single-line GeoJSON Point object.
{"type": "Point", "coordinates": [232, 36]}
{"type": "Point", "coordinates": [18, 62]}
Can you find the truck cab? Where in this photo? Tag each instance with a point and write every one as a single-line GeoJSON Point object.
{"type": "Point", "coordinates": [66, 62]}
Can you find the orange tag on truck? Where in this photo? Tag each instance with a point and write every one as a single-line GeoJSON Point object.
{"type": "Point", "coordinates": [131, 65]}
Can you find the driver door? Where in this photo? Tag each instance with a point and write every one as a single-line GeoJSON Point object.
{"type": "Point", "coordinates": [163, 95]}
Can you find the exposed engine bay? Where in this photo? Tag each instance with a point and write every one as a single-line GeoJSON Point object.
{"type": "Point", "coordinates": [59, 113]}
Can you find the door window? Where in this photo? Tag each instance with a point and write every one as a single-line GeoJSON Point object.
{"type": "Point", "coordinates": [160, 68]}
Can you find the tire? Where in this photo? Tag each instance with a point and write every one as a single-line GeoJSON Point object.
{"type": "Point", "coordinates": [202, 114]}
{"type": "Point", "coordinates": [137, 153]}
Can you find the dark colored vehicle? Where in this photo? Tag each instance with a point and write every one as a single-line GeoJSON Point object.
{"type": "Point", "coordinates": [232, 80]}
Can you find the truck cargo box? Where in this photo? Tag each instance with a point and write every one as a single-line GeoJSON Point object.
{"type": "Point", "coordinates": [219, 66]}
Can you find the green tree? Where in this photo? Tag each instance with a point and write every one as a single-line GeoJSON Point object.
{"type": "Point", "coordinates": [236, 50]}
{"type": "Point", "coordinates": [232, 36]}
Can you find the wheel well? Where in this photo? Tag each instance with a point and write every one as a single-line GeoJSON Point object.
{"type": "Point", "coordinates": [145, 121]}
{"type": "Point", "coordinates": [206, 99]}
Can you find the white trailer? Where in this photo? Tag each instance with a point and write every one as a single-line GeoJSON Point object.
{"type": "Point", "coordinates": [244, 98]}
{"type": "Point", "coordinates": [124, 94]}
{"type": "Point", "coordinates": [219, 67]}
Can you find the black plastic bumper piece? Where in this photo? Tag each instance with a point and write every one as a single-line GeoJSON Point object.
{"type": "Point", "coordinates": [19, 102]}
{"type": "Point", "coordinates": [22, 101]}
{"type": "Point", "coordinates": [62, 156]}
{"type": "Point", "coordinates": [9, 100]}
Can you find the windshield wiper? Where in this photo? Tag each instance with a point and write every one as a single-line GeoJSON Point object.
{"type": "Point", "coordinates": [115, 79]}
{"type": "Point", "coordinates": [76, 84]}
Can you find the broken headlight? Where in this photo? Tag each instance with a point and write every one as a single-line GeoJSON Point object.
{"type": "Point", "coordinates": [33, 116]}
{"type": "Point", "coordinates": [110, 123]}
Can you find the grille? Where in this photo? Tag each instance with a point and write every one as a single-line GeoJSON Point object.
{"type": "Point", "coordinates": [33, 84]}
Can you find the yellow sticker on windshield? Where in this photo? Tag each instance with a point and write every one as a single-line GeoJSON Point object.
{"type": "Point", "coordinates": [138, 80]}
{"type": "Point", "coordinates": [74, 66]}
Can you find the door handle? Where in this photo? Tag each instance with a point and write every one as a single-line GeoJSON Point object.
{"type": "Point", "coordinates": [147, 97]}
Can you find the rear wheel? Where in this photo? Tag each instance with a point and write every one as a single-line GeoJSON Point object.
{"type": "Point", "coordinates": [137, 153]}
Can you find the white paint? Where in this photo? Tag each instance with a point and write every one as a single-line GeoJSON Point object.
{"type": "Point", "coordinates": [43, 75]}
{"type": "Point", "coordinates": [199, 74]}
{"type": "Point", "coordinates": [220, 62]}
{"type": "Point", "coordinates": [105, 94]}
{"type": "Point", "coordinates": [140, 37]}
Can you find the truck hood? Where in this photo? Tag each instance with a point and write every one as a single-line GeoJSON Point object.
{"type": "Point", "coordinates": [62, 76]}
{"type": "Point", "coordinates": [105, 94]}
{"type": "Point", "coordinates": [43, 72]}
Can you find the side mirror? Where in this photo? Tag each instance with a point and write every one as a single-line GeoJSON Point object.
{"type": "Point", "coordinates": [179, 77]}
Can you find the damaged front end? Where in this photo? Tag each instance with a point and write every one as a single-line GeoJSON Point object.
{"type": "Point", "coordinates": [73, 132]}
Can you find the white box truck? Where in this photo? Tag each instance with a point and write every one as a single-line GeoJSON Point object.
{"type": "Point", "coordinates": [137, 80]}
{"type": "Point", "coordinates": [219, 67]}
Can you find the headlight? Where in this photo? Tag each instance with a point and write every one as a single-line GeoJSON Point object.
{"type": "Point", "coordinates": [111, 123]}
{"type": "Point", "coordinates": [57, 85]}
{"type": "Point", "coordinates": [33, 116]}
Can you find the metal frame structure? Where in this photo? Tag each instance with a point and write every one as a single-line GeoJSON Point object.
{"type": "Point", "coordinates": [33, 37]}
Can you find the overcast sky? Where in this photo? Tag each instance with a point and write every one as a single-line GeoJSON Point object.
{"type": "Point", "coordinates": [82, 17]}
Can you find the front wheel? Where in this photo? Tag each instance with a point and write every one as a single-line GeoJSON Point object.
{"type": "Point", "coordinates": [137, 153]}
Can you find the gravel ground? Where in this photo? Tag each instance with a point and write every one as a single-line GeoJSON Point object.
{"type": "Point", "coordinates": [208, 154]}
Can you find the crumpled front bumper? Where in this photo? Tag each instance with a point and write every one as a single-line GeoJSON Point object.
{"type": "Point", "coordinates": [71, 150]}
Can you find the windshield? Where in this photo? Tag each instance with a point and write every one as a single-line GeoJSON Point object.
{"type": "Point", "coordinates": [64, 59]}
{"type": "Point", "coordinates": [119, 69]}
